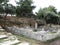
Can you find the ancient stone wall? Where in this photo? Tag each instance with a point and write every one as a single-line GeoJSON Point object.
{"type": "Point", "coordinates": [42, 35]}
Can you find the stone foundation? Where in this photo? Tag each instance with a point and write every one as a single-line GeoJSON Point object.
{"type": "Point", "coordinates": [34, 35]}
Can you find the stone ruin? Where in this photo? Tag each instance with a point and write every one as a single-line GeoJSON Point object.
{"type": "Point", "coordinates": [39, 35]}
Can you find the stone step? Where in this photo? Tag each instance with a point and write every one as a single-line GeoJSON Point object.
{"type": "Point", "coordinates": [0, 27]}
{"type": "Point", "coordinates": [3, 36]}
{"type": "Point", "coordinates": [10, 42]}
{"type": "Point", "coordinates": [16, 43]}
{"type": "Point", "coordinates": [9, 39]}
{"type": "Point", "coordinates": [24, 43]}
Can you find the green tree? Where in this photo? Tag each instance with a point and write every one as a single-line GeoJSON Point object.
{"type": "Point", "coordinates": [24, 8]}
{"type": "Point", "coordinates": [41, 13]}
{"type": "Point", "coordinates": [1, 1]}
{"type": "Point", "coordinates": [1, 9]}
{"type": "Point", "coordinates": [59, 13]}
{"type": "Point", "coordinates": [49, 14]}
{"type": "Point", "coordinates": [10, 9]}
{"type": "Point", "coordinates": [1, 5]}
{"type": "Point", "coordinates": [52, 9]}
{"type": "Point", "coordinates": [51, 17]}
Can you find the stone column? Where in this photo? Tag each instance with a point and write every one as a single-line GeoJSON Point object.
{"type": "Point", "coordinates": [36, 25]}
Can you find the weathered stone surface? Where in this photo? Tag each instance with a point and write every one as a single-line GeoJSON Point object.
{"type": "Point", "coordinates": [41, 35]}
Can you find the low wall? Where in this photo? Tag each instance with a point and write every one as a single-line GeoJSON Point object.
{"type": "Point", "coordinates": [30, 34]}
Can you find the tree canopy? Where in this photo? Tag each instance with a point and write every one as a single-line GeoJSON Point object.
{"type": "Point", "coordinates": [7, 8]}
{"type": "Point", "coordinates": [49, 14]}
{"type": "Point", "coordinates": [24, 8]}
